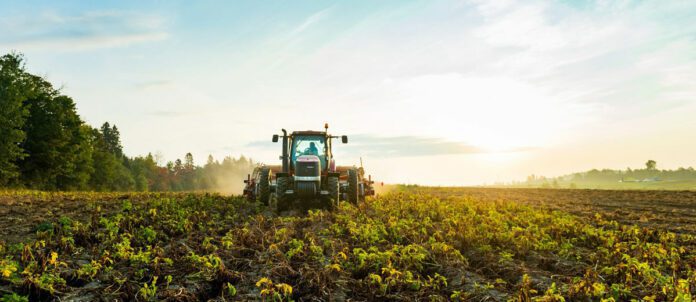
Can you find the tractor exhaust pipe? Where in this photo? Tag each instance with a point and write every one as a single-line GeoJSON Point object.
{"type": "Point", "coordinates": [285, 157]}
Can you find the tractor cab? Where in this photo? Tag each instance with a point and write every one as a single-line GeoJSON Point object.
{"type": "Point", "coordinates": [305, 146]}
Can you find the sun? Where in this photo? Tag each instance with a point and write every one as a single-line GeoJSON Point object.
{"type": "Point", "coordinates": [495, 114]}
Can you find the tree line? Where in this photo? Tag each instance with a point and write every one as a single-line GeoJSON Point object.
{"type": "Point", "coordinates": [642, 178]}
{"type": "Point", "coordinates": [44, 144]}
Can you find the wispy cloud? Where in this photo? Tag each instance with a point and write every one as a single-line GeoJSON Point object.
{"type": "Point", "coordinates": [86, 31]}
{"type": "Point", "coordinates": [167, 113]}
{"type": "Point", "coordinates": [403, 146]}
{"type": "Point", "coordinates": [620, 54]}
{"type": "Point", "coordinates": [153, 84]}
{"type": "Point", "coordinates": [309, 21]}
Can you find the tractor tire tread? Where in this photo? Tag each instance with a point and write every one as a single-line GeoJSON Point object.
{"type": "Point", "coordinates": [353, 190]}
{"type": "Point", "coordinates": [264, 185]}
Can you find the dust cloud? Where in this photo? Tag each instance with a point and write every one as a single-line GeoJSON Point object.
{"type": "Point", "coordinates": [226, 177]}
{"type": "Point", "coordinates": [230, 182]}
{"type": "Point", "coordinates": [382, 188]}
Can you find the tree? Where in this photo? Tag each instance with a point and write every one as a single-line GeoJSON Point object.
{"type": "Point", "coordinates": [146, 173]}
{"type": "Point", "coordinates": [178, 167]}
{"type": "Point", "coordinates": [188, 173]}
{"type": "Point", "coordinates": [651, 165]}
{"type": "Point", "coordinates": [175, 170]}
{"type": "Point", "coordinates": [57, 143]}
{"type": "Point", "coordinates": [109, 173]}
{"type": "Point", "coordinates": [15, 87]}
{"type": "Point", "coordinates": [103, 161]}
{"type": "Point", "coordinates": [188, 161]}
{"type": "Point", "coordinates": [207, 177]}
{"type": "Point", "coordinates": [79, 166]}
{"type": "Point", "coordinates": [112, 139]}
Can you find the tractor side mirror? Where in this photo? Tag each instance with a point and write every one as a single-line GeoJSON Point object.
{"type": "Point", "coordinates": [275, 138]}
{"type": "Point", "coordinates": [344, 139]}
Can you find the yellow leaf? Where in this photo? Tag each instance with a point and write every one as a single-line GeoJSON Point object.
{"type": "Point", "coordinates": [7, 272]}
{"type": "Point", "coordinates": [284, 288]}
{"type": "Point", "coordinates": [54, 257]}
{"type": "Point", "coordinates": [334, 267]}
{"type": "Point", "coordinates": [599, 288]}
{"type": "Point", "coordinates": [263, 281]}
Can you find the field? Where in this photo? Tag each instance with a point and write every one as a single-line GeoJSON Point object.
{"type": "Point", "coordinates": [413, 244]}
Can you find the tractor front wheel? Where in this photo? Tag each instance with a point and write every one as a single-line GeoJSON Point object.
{"type": "Point", "coordinates": [264, 185]}
{"type": "Point", "coordinates": [282, 200]}
{"type": "Point", "coordinates": [353, 190]}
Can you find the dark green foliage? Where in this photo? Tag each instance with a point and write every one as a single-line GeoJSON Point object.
{"type": "Point", "coordinates": [13, 298]}
{"type": "Point", "coordinates": [109, 172]}
{"type": "Point", "coordinates": [112, 139]}
{"type": "Point", "coordinates": [146, 174]}
{"type": "Point", "coordinates": [57, 143]}
{"type": "Point", "coordinates": [45, 227]}
{"type": "Point", "coordinates": [188, 173]}
{"type": "Point", "coordinates": [651, 165]}
{"type": "Point", "coordinates": [15, 87]}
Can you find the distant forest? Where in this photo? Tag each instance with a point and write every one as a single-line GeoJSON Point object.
{"type": "Point", "coordinates": [44, 144]}
{"type": "Point", "coordinates": [649, 177]}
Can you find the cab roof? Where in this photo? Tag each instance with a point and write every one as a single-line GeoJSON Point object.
{"type": "Point", "coordinates": [308, 132]}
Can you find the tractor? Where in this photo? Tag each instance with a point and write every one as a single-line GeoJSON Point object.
{"type": "Point", "coordinates": [308, 174]}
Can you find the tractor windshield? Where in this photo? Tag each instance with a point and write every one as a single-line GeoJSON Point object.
{"type": "Point", "coordinates": [309, 145]}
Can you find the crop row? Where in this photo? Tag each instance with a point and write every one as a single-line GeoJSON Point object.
{"type": "Point", "coordinates": [408, 245]}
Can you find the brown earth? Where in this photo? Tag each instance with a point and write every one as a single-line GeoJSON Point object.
{"type": "Point", "coordinates": [674, 211]}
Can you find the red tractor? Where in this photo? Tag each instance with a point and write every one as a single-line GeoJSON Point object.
{"type": "Point", "coordinates": [308, 174]}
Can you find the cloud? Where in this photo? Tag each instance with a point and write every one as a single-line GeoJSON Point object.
{"type": "Point", "coordinates": [85, 42]}
{"type": "Point", "coordinates": [153, 84]}
{"type": "Point", "coordinates": [87, 31]}
{"type": "Point", "coordinates": [620, 55]}
{"type": "Point", "coordinates": [168, 113]}
{"type": "Point", "coordinates": [394, 146]}
{"type": "Point", "coordinates": [309, 21]}
{"type": "Point", "coordinates": [404, 146]}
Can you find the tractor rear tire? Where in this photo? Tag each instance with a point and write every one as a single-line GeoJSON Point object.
{"type": "Point", "coordinates": [334, 192]}
{"type": "Point", "coordinates": [264, 188]}
{"type": "Point", "coordinates": [283, 201]}
{"type": "Point", "coordinates": [353, 189]}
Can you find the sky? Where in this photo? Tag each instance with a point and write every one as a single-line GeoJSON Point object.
{"type": "Point", "coordinates": [429, 92]}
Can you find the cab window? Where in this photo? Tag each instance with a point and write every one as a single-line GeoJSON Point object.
{"type": "Point", "coordinates": [309, 145]}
